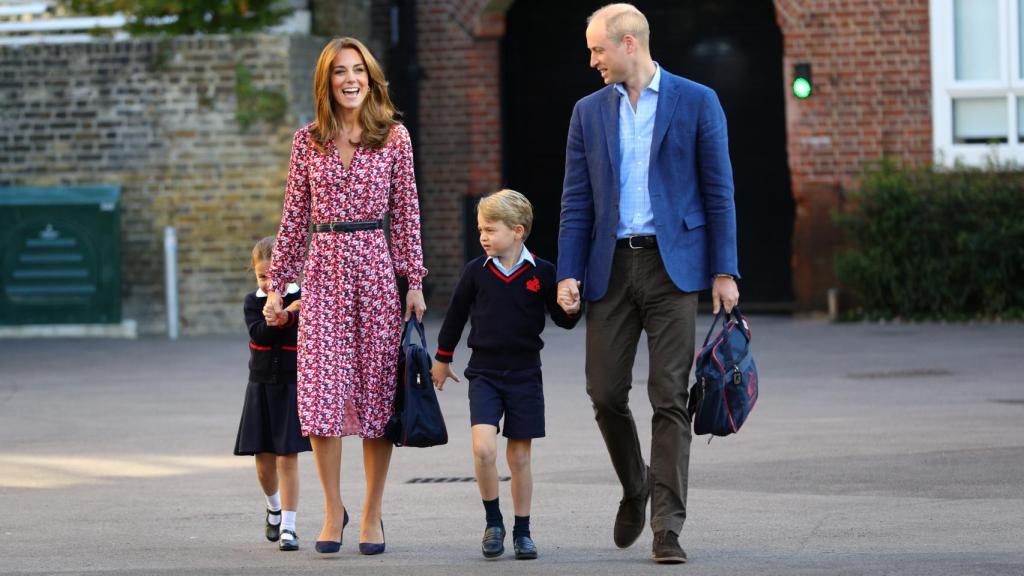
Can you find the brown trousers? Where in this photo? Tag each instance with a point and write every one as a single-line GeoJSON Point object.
{"type": "Point", "coordinates": [641, 296]}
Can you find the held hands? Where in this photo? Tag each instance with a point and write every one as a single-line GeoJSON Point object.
{"type": "Point", "coordinates": [281, 319]}
{"type": "Point", "coordinates": [273, 310]}
{"type": "Point", "coordinates": [440, 372]}
{"type": "Point", "coordinates": [414, 303]}
{"type": "Point", "coordinates": [724, 292]}
{"type": "Point", "coordinates": [569, 296]}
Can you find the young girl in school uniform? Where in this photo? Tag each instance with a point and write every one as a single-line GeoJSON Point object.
{"type": "Point", "coordinates": [269, 428]}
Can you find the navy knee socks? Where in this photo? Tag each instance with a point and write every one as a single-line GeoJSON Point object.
{"type": "Point", "coordinates": [494, 517]}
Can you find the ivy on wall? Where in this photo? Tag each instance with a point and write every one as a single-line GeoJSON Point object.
{"type": "Point", "coordinates": [256, 104]}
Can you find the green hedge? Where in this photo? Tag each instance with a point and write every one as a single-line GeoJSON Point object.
{"type": "Point", "coordinates": [927, 243]}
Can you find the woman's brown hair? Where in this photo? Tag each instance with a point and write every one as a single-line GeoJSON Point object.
{"type": "Point", "coordinates": [376, 115]}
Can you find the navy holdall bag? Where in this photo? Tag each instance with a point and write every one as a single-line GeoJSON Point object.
{"type": "Point", "coordinates": [726, 388]}
{"type": "Point", "coordinates": [416, 419]}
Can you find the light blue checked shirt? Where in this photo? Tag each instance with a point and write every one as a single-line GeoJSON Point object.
{"type": "Point", "coordinates": [636, 129]}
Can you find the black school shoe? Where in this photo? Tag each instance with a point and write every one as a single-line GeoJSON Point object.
{"type": "Point", "coordinates": [273, 531]}
{"type": "Point", "coordinates": [667, 549]}
{"type": "Point", "coordinates": [493, 544]}
{"type": "Point", "coordinates": [524, 547]}
{"type": "Point", "coordinates": [289, 541]}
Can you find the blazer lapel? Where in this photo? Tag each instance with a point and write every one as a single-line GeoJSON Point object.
{"type": "Point", "coordinates": [610, 113]}
{"type": "Point", "coordinates": [667, 100]}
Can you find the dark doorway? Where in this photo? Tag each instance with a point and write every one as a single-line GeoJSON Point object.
{"type": "Point", "coordinates": [733, 46]}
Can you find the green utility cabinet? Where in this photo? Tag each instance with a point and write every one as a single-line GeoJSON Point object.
{"type": "Point", "coordinates": [60, 255]}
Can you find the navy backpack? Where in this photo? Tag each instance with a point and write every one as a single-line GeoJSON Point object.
{"type": "Point", "coordinates": [726, 388]}
{"type": "Point", "coordinates": [416, 419]}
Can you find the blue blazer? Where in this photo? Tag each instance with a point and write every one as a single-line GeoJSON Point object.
{"type": "Point", "coordinates": [689, 181]}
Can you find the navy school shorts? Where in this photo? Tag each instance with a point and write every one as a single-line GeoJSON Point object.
{"type": "Point", "coordinates": [516, 394]}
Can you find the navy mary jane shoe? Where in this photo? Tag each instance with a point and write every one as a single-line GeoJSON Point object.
{"type": "Point", "coordinates": [273, 531]}
{"type": "Point", "coordinates": [289, 541]}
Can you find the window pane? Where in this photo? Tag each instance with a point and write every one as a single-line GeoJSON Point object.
{"type": "Point", "coordinates": [979, 120]}
{"type": "Point", "coordinates": [1020, 119]}
{"type": "Point", "coordinates": [976, 29]}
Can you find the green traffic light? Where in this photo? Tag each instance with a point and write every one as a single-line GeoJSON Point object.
{"type": "Point", "coordinates": [801, 87]}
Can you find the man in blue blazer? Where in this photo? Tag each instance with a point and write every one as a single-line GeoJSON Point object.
{"type": "Point", "coordinates": [647, 221]}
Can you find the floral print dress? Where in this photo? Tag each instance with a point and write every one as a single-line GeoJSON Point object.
{"type": "Point", "coordinates": [350, 326]}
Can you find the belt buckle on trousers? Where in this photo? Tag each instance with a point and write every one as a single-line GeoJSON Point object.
{"type": "Point", "coordinates": [630, 242]}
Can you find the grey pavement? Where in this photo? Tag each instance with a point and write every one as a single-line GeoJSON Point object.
{"type": "Point", "coordinates": [874, 449]}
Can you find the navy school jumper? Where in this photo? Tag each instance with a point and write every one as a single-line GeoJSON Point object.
{"type": "Point", "coordinates": [506, 314]}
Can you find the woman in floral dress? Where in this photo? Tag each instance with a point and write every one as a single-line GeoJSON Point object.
{"type": "Point", "coordinates": [349, 169]}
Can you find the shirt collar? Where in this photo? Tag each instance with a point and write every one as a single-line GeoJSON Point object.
{"type": "Point", "coordinates": [524, 256]}
{"type": "Point", "coordinates": [291, 289]}
{"type": "Point", "coordinates": [654, 86]}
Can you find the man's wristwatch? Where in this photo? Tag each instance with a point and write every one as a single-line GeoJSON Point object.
{"type": "Point", "coordinates": [716, 276]}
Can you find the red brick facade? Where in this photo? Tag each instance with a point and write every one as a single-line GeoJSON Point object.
{"type": "Point", "coordinates": [871, 75]}
{"type": "Point", "coordinates": [459, 151]}
{"type": "Point", "coordinates": [872, 98]}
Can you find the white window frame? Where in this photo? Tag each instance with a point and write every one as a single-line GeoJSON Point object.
{"type": "Point", "coordinates": [945, 88]}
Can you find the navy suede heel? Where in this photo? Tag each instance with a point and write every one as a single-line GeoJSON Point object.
{"type": "Point", "coordinates": [330, 546]}
{"type": "Point", "coordinates": [369, 548]}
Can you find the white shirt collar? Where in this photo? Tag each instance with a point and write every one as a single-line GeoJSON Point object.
{"type": "Point", "coordinates": [524, 256]}
{"type": "Point", "coordinates": [291, 289]}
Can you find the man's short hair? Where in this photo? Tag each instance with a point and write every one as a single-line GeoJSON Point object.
{"type": "Point", "coordinates": [621, 19]}
{"type": "Point", "coordinates": [507, 206]}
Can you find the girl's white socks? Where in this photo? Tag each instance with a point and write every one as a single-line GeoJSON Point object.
{"type": "Point", "coordinates": [288, 520]}
{"type": "Point", "coordinates": [274, 505]}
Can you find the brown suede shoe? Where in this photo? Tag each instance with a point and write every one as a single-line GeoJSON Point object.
{"type": "Point", "coordinates": [667, 549]}
{"type": "Point", "coordinates": [632, 514]}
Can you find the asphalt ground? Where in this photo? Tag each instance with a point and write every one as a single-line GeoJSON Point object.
{"type": "Point", "coordinates": [874, 449]}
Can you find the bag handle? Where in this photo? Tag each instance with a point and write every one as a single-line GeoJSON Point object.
{"type": "Point", "coordinates": [407, 334]}
{"type": "Point", "coordinates": [711, 328]}
{"type": "Point", "coordinates": [735, 314]}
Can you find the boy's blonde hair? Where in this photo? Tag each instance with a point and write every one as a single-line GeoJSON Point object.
{"type": "Point", "coordinates": [263, 250]}
{"type": "Point", "coordinates": [507, 206]}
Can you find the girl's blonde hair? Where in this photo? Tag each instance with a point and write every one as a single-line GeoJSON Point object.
{"type": "Point", "coordinates": [376, 115]}
{"type": "Point", "coordinates": [263, 250]}
{"type": "Point", "coordinates": [507, 206]}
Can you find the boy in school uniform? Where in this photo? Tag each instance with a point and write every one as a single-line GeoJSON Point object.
{"type": "Point", "coordinates": [505, 294]}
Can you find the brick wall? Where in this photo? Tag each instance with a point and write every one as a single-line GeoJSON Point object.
{"type": "Point", "coordinates": [871, 71]}
{"type": "Point", "coordinates": [872, 98]}
{"type": "Point", "coordinates": [356, 18]}
{"type": "Point", "coordinates": [158, 117]}
{"type": "Point", "coordinates": [459, 147]}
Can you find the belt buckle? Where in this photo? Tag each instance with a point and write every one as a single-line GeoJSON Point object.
{"type": "Point", "coordinates": [631, 243]}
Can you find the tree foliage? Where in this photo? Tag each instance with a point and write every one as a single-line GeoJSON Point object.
{"type": "Point", "coordinates": [184, 17]}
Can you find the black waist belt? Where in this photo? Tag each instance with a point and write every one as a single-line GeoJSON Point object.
{"type": "Point", "coordinates": [637, 242]}
{"type": "Point", "coordinates": [354, 226]}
